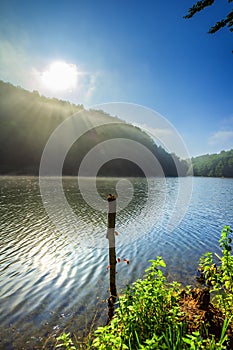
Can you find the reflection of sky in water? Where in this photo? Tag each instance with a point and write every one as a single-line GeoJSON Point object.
{"type": "Point", "coordinates": [46, 273]}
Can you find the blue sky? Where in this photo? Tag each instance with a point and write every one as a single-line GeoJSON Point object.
{"type": "Point", "coordinates": [140, 52]}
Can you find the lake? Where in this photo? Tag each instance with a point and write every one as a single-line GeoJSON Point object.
{"type": "Point", "coordinates": [53, 268]}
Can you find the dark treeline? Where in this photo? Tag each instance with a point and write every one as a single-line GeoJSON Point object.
{"type": "Point", "coordinates": [27, 120]}
{"type": "Point", "coordinates": [216, 165]}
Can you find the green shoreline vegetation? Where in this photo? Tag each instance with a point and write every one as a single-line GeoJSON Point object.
{"type": "Point", "coordinates": [214, 165]}
{"type": "Point", "coordinates": [27, 120]}
{"type": "Point", "coordinates": [156, 314]}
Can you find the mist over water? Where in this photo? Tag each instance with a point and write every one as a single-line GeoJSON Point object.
{"type": "Point", "coordinates": [53, 279]}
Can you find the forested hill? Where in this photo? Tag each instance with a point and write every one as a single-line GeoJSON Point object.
{"type": "Point", "coordinates": [27, 120]}
{"type": "Point", "coordinates": [216, 165]}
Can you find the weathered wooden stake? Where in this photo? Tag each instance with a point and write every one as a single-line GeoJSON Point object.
{"type": "Point", "coordinates": [112, 254]}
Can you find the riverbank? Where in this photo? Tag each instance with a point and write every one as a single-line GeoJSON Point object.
{"type": "Point", "coordinates": [155, 314]}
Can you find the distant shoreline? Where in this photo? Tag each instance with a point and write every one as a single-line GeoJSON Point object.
{"type": "Point", "coordinates": [111, 177]}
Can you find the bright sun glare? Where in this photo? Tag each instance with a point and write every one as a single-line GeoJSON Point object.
{"type": "Point", "coordinates": [60, 76]}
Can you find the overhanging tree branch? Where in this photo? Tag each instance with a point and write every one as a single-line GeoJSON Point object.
{"type": "Point", "coordinates": [201, 5]}
{"type": "Point", "coordinates": [228, 21]}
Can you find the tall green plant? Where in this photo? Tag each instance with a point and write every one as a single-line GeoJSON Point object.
{"type": "Point", "coordinates": [147, 316]}
{"type": "Point", "coordinates": [219, 277]}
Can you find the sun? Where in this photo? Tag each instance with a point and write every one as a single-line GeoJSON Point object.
{"type": "Point", "coordinates": [60, 76]}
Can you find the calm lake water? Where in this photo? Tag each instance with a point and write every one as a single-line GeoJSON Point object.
{"type": "Point", "coordinates": [53, 279]}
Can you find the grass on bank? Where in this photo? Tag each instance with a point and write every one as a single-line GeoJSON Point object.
{"type": "Point", "coordinates": [155, 314]}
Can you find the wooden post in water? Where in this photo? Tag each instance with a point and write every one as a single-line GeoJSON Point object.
{"type": "Point", "coordinates": [112, 254]}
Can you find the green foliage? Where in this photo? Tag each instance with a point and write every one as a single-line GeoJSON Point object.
{"type": "Point", "coordinates": [219, 277]}
{"type": "Point", "coordinates": [65, 342]}
{"type": "Point", "coordinates": [196, 342]}
{"type": "Point", "coordinates": [27, 120]}
{"type": "Point", "coordinates": [200, 5]}
{"type": "Point", "coordinates": [216, 165]}
{"type": "Point", "coordinates": [149, 316]}
{"type": "Point", "coordinates": [144, 313]}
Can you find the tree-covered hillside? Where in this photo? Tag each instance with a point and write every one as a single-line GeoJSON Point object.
{"type": "Point", "coordinates": [27, 120]}
{"type": "Point", "coordinates": [217, 165]}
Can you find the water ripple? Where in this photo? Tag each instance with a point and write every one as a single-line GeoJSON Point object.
{"type": "Point", "coordinates": [45, 273]}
